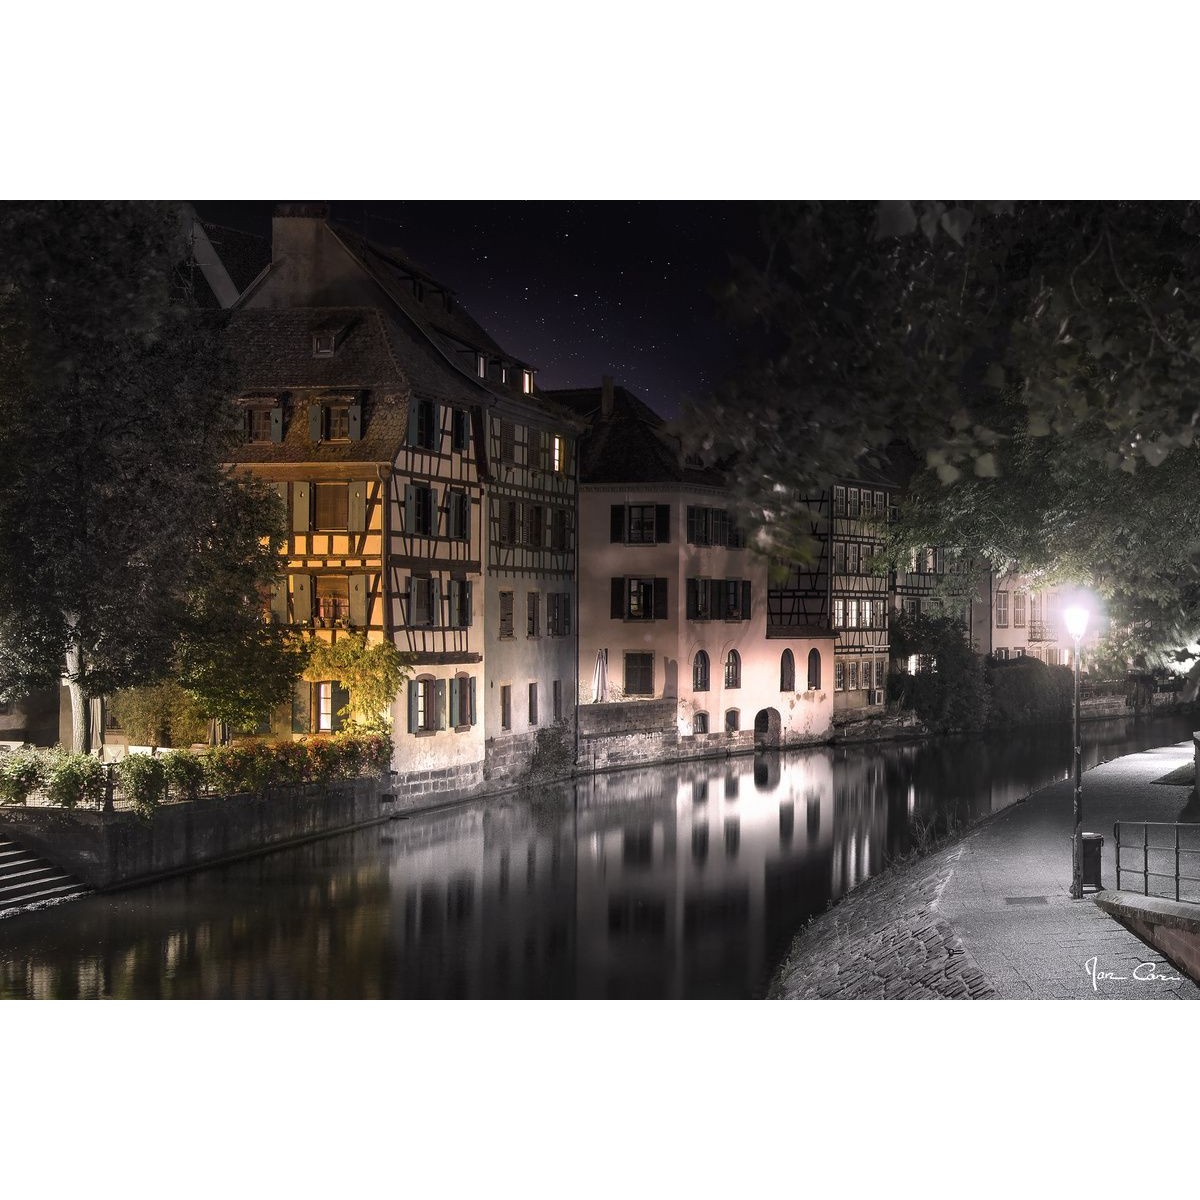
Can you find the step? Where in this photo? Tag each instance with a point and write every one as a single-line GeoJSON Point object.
{"type": "Point", "coordinates": [11, 851]}
{"type": "Point", "coordinates": [33, 879]}
{"type": "Point", "coordinates": [10, 879]}
{"type": "Point", "coordinates": [61, 892]}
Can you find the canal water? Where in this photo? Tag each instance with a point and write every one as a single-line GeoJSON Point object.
{"type": "Point", "coordinates": [680, 881]}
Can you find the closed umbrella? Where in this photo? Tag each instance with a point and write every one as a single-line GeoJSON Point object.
{"type": "Point", "coordinates": [600, 678]}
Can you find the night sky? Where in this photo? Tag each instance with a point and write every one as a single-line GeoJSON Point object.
{"type": "Point", "coordinates": [577, 289]}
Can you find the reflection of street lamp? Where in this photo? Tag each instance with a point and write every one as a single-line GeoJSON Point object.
{"type": "Point", "coordinates": [1076, 618]}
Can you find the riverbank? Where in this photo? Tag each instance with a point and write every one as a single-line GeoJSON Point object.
{"type": "Point", "coordinates": [990, 915]}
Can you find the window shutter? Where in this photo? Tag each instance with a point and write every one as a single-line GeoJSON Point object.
{"type": "Point", "coordinates": [437, 426]}
{"type": "Point", "coordinates": [617, 523]}
{"type": "Point", "coordinates": [277, 424]}
{"type": "Point", "coordinates": [302, 707]}
{"type": "Point", "coordinates": [618, 599]}
{"type": "Point", "coordinates": [413, 405]}
{"type": "Point", "coordinates": [566, 612]}
{"type": "Point", "coordinates": [340, 697]}
{"type": "Point", "coordinates": [358, 600]}
{"type": "Point", "coordinates": [410, 508]}
{"type": "Point", "coordinates": [356, 512]}
{"type": "Point", "coordinates": [455, 604]}
{"type": "Point", "coordinates": [660, 599]}
{"type": "Point", "coordinates": [406, 601]}
{"type": "Point", "coordinates": [314, 422]}
{"type": "Point", "coordinates": [454, 701]}
{"type": "Point", "coordinates": [412, 705]}
{"type": "Point", "coordinates": [435, 603]}
{"type": "Point", "coordinates": [435, 515]}
{"type": "Point", "coordinates": [471, 699]}
{"type": "Point", "coordinates": [745, 599]}
{"type": "Point", "coordinates": [662, 523]}
{"type": "Point", "coordinates": [691, 524]}
{"type": "Point", "coordinates": [279, 601]}
{"type": "Point", "coordinates": [693, 599]}
{"type": "Point", "coordinates": [355, 422]}
{"type": "Point", "coordinates": [301, 507]}
{"type": "Point", "coordinates": [468, 610]}
{"type": "Point", "coordinates": [439, 700]}
{"type": "Point", "coordinates": [302, 594]}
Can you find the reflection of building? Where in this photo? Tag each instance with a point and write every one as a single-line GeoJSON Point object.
{"type": "Point", "coordinates": [674, 601]}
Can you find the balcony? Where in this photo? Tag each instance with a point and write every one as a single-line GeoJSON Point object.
{"type": "Point", "coordinates": [1041, 631]}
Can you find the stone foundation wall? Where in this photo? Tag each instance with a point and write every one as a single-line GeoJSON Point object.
{"type": "Point", "coordinates": [419, 789]}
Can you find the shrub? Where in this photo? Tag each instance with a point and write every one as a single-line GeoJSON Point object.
{"type": "Point", "coordinates": [1026, 691]}
{"type": "Point", "coordinates": [144, 781]}
{"type": "Point", "coordinates": [21, 772]}
{"type": "Point", "coordinates": [73, 779]}
{"type": "Point", "coordinates": [185, 774]}
{"type": "Point", "coordinates": [242, 767]}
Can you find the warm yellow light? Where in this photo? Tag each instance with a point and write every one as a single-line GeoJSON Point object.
{"type": "Point", "coordinates": [1076, 618]}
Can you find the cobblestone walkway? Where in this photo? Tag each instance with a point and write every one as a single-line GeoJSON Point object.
{"type": "Point", "coordinates": [885, 941]}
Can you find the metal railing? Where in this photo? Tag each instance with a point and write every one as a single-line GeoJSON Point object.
{"type": "Point", "coordinates": [1160, 854]}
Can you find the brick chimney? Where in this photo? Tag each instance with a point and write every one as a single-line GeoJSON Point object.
{"type": "Point", "coordinates": [298, 247]}
{"type": "Point", "coordinates": [606, 395]}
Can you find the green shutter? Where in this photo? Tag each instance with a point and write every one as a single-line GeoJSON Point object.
{"type": "Point", "coordinates": [357, 508]}
{"type": "Point", "coordinates": [745, 599]}
{"type": "Point", "coordinates": [302, 707]}
{"type": "Point", "coordinates": [358, 600]}
{"type": "Point", "coordinates": [406, 600]}
{"type": "Point", "coordinates": [435, 603]}
{"type": "Point", "coordinates": [340, 698]}
{"type": "Point", "coordinates": [454, 701]}
{"type": "Point", "coordinates": [277, 424]}
{"type": "Point", "coordinates": [410, 508]}
{"type": "Point", "coordinates": [439, 704]}
{"type": "Point", "coordinates": [302, 594]}
{"type": "Point", "coordinates": [412, 705]}
{"type": "Point", "coordinates": [468, 610]}
{"type": "Point", "coordinates": [662, 523]}
{"type": "Point", "coordinates": [435, 516]}
{"type": "Point", "coordinates": [314, 422]}
{"type": "Point", "coordinates": [471, 700]}
{"type": "Point", "coordinates": [355, 422]}
{"type": "Point", "coordinates": [301, 507]}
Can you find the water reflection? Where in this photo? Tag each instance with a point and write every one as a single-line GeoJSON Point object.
{"type": "Point", "coordinates": [681, 881]}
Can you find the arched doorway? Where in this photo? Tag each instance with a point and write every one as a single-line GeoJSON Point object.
{"type": "Point", "coordinates": [766, 729]}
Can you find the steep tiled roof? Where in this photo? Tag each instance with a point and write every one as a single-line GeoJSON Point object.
{"type": "Point", "coordinates": [244, 255]}
{"type": "Point", "coordinates": [630, 445]}
{"type": "Point", "coordinates": [274, 355]}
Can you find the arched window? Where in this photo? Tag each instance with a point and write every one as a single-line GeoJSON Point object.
{"type": "Point", "coordinates": [787, 672]}
{"type": "Point", "coordinates": [700, 672]}
{"type": "Point", "coordinates": [814, 670]}
{"type": "Point", "coordinates": [733, 670]}
{"type": "Point", "coordinates": [700, 723]}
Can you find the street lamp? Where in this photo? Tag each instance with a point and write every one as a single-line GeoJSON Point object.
{"type": "Point", "coordinates": [1076, 618]}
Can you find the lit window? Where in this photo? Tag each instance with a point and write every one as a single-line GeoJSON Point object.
{"type": "Point", "coordinates": [527, 382]}
{"type": "Point", "coordinates": [337, 422]}
{"type": "Point", "coordinates": [481, 365]}
{"type": "Point", "coordinates": [325, 707]}
{"type": "Point", "coordinates": [558, 459]}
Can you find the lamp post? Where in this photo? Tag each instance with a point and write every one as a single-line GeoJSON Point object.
{"type": "Point", "coordinates": [1076, 618]}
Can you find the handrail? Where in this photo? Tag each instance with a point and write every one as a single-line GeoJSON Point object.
{"type": "Point", "coordinates": [1175, 848]}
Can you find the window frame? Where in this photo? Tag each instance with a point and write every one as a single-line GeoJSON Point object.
{"type": "Point", "coordinates": [630, 655]}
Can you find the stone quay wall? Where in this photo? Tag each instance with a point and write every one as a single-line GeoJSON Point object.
{"type": "Point", "coordinates": [106, 850]}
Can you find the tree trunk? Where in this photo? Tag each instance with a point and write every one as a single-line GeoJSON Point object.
{"type": "Point", "coordinates": [81, 709]}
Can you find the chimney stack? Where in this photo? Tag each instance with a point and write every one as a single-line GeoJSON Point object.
{"type": "Point", "coordinates": [297, 249]}
{"type": "Point", "coordinates": [606, 395]}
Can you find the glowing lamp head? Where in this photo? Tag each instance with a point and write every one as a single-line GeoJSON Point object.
{"type": "Point", "coordinates": [1076, 618]}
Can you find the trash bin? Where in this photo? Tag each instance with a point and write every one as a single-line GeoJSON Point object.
{"type": "Point", "coordinates": [1093, 843]}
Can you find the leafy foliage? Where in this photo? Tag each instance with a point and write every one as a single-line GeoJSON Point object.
{"type": "Point", "coordinates": [159, 715]}
{"type": "Point", "coordinates": [143, 779]}
{"type": "Point", "coordinates": [124, 544]}
{"type": "Point", "coordinates": [372, 672]}
{"type": "Point", "coordinates": [949, 691]}
{"type": "Point", "coordinates": [1028, 692]}
{"type": "Point", "coordinates": [22, 772]}
{"type": "Point", "coordinates": [73, 779]}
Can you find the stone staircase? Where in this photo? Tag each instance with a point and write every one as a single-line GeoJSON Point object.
{"type": "Point", "coordinates": [27, 879]}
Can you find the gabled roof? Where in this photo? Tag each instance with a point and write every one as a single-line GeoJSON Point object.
{"type": "Point", "coordinates": [631, 444]}
{"type": "Point", "coordinates": [244, 255]}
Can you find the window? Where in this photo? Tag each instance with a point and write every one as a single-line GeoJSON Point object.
{"type": "Point", "coordinates": [323, 343]}
{"type": "Point", "coordinates": [462, 701]}
{"type": "Point", "coordinates": [733, 670]}
{"type": "Point", "coordinates": [556, 694]}
{"type": "Point", "coordinates": [535, 525]}
{"type": "Point", "coordinates": [507, 442]}
{"type": "Point", "coordinates": [506, 614]}
{"type": "Point", "coordinates": [880, 510]}
{"type": "Point", "coordinates": [641, 523]}
{"type": "Point", "coordinates": [712, 527]}
{"type": "Point", "coordinates": [814, 670]}
{"type": "Point", "coordinates": [458, 515]}
{"type": "Point", "coordinates": [700, 672]}
{"type": "Point", "coordinates": [879, 670]}
{"type": "Point", "coordinates": [867, 614]}
{"type": "Point", "coordinates": [787, 672]}
{"type": "Point", "coordinates": [1019, 652]}
{"type": "Point", "coordinates": [332, 506]}
{"type": "Point", "coordinates": [325, 707]}
{"type": "Point", "coordinates": [839, 501]}
{"type": "Point", "coordinates": [839, 676]}
{"type": "Point", "coordinates": [337, 422]}
{"type": "Point", "coordinates": [533, 704]}
{"type": "Point", "coordinates": [733, 722]}
{"type": "Point", "coordinates": [852, 681]}
{"type": "Point", "coordinates": [333, 599]}
{"type": "Point", "coordinates": [866, 675]}
{"type": "Point", "coordinates": [424, 425]}
{"type": "Point", "coordinates": [852, 559]}
{"type": "Point", "coordinates": [853, 509]}
{"type": "Point", "coordinates": [422, 601]}
{"type": "Point", "coordinates": [852, 614]}
{"type": "Point", "coordinates": [258, 424]}
{"type": "Point", "coordinates": [839, 613]}
{"type": "Point", "coordinates": [1035, 608]}
{"type": "Point", "coordinates": [506, 707]}
{"type": "Point", "coordinates": [1019, 608]}
{"type": "Point", "coordinates": [558, 454]}
{"type": "Point", "coordinates": [558, 529]}
{"type": "Point", "coordinates": [460, 430]}
{"type": "Point", "coordinates": [460, 603]}
{"type": "Point", "coordinates": [639, 599]}
{"type": "Point", "coordinates": [481, 365]}
{"type": "Point", "coordinates": [426, 699]}
{"type": "Point", "coordinates": [558, 614]}
{"type": "Point", "coordinates": [1002, 653]}
{"type": "Point", "coordinates": [700, 722]}
{"type": "Point", "coordinates": [839, 558]}
{"type": "Point", "coordinates": [533, 614]}
{"type": "Point", "coordinates": [421, 508]}
{"type": "Point", "coordinates": [527, 382]}
{"type": "Point", "coordinates": [639, 674]}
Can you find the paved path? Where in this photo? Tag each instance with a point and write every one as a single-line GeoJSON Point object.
{"type": "Point", "coordinates": [991, 915]}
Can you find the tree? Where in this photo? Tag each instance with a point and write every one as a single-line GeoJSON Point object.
{"type": "Point", "coordinates": [126, 549]}
{"type": "Point", "coordinates": [948, 691]}
{"type": "Point", "coordinates": [1040, 360]}
{"type": "Point", "coordinates": [372, 672]}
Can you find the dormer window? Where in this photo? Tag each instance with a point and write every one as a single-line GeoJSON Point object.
{"type": "Point", "coordinates": [527, 382]}
{"type": "Point", "coordinates": [504, 373]}
{"type": "Point", "coordinates": [481, 365]}
{"type": "Point", "coordinates": [324, 342]}
{"type": "Point", "coordinates": [337, 423]}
